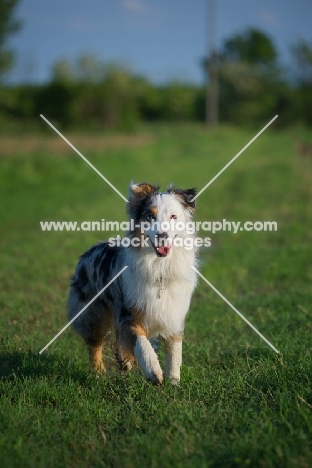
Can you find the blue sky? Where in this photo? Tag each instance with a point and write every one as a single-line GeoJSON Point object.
{"type": "Point", "coordinates": [161, 39]}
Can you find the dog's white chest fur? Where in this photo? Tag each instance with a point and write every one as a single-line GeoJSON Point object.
{"type": "Point", "coordinates": [161, 289]}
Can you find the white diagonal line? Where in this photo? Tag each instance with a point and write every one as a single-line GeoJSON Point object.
{"type": "Point", "coordinates": [82, 310]}
{"type": "Point", "coordinates": [83, 157]}
{"type": "Point", "coordinates": [235, 157]}
{"type": "Point", "coordinates": [237, 311]}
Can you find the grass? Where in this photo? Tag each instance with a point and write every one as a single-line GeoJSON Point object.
{"type": "Point", "coordinates": [239, 404]}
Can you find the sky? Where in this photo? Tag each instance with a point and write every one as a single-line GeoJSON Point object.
{"type": "Point", "coordinates": [160, 39]}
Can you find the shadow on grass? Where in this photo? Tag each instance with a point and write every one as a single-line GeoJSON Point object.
{"type": "Point", "coordinates": [23, 364]}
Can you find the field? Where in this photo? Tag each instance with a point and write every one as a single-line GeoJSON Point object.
{"type": "Point", "coordinates": [239, 403]}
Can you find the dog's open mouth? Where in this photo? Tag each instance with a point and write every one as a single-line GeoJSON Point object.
{"type": "Point", "coordinates": [161, 250]}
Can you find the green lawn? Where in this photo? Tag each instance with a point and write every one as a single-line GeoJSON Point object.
{"type": "Point", "coordinates": [239, 404]}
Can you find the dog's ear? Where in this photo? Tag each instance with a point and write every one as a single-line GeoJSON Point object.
{"type": "Point", "coordinates": [185, 196]}
{"type": "Point", "coordinates": [142, 190]}
{"type": "Point", "coordinates": [137, 193]}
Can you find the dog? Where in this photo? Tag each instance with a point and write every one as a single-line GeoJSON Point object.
{"type": "Point", "coordinates": [151, 297]}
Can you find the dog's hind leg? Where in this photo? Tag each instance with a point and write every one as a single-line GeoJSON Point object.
{"type": "Point", "coordinates": [96, 357]}
{"type": "Point", "coordinates": [173, 358]}
{"type": "Point", "coordinates": [92, 325]}
{"type": "Point", "coordinates": [94, 337]}
{"type": "Point", "coordinates": [124, 356]}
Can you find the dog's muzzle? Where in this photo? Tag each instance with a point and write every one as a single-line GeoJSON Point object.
{"type": "Point", "coordinates": [161, 246]}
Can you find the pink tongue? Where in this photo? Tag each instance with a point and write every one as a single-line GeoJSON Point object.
{"type": "Point", "coordinates": [163, 250]}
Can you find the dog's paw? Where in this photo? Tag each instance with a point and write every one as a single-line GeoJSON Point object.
{"type": "Point", "coordinates": [174, 381]}
{"type": "Point", "coordinates": [99, 368]}
{"type": "Point", "coordinates": [156, 378]}
{"type": "Point", "coordinates": [124, 365]}
{"type": "Point", "coordinates": [127, 366]}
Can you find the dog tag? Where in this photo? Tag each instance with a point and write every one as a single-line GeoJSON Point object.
{"type": "Point", "coordinates": [161, 289]}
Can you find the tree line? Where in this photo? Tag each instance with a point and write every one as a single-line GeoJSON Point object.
{"type": "Point", "coordinates": [90, 93]}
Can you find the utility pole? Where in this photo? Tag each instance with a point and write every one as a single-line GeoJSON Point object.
{"type": "Point", "coordinates": [212, 92]}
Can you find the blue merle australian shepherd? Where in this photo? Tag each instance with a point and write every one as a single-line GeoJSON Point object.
{"type": "Point", "coordinates": [152, 296]}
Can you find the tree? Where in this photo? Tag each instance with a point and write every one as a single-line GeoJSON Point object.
{"type": "Point", "coordinates": [87, 68]}
{"type": "Point", "coordinates": [302, 53]}
{"type": "Point", "coordinates": [63, 71]}
{"type": "Point", "coordinates": [252, 86]}
{"type": "Point", "coordinates": [88, 90]}
{"type": "Point", "coordinates": [253, 46]}
{"type": "Point", "coordinates": [8, 25]}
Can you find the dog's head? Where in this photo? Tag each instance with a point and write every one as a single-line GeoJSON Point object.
{"type": "Point", "coordinates": [162, 217]}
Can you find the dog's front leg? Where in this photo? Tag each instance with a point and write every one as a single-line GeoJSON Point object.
{"type": "Point", "coordinates": [148, 360]}
{"type": "Point", "coordinates": [173, 358]}
{"type": "Point", "coordinates": [133, 338]}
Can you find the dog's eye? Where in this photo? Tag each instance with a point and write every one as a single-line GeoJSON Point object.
{"type": "Point", "coordinates": [173, 217]}
{"type": "Point", "coordinates": [149, 217]}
